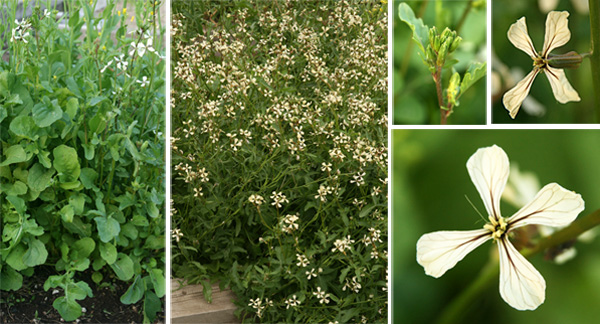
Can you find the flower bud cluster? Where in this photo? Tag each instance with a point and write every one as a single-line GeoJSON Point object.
{"type": "Point", "coordinates": [441, 45]}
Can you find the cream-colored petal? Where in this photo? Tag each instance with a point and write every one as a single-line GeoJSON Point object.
{"type": "Point", "coordinates": [552, 206]}
{"type": "Point", "coordinates": [521, 285]}
{"type": "Point", "coordinates": [557, 31]}
{"type": "Point", "coordinates": [438, 252]}
{"type": "Point", "coordinates": [489, 168]}
{"type": "Point", "coordinates": [514, 97]}
{"type": "Point", "coordinates": [518, 36]}
{"type": "Point", "coordinates": [547, 5]}
{"type": "Point", "coordinates": [562, 89]}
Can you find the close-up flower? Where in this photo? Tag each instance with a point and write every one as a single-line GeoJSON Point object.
{"type": "Point", "coordinates": [521, 285]}
{"type": "Point", "coordinates": [557, 34]}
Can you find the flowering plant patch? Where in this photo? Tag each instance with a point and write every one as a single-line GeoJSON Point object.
{"type": "Point", "coordinates": [82, 163]}
{"type": "Point", "coordinates": [279, 156]}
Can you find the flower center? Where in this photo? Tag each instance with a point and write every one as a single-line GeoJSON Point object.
{"type": "Point", "coordinates": [496, 226]}
{"type": "Point", "coordinates": [540, 62]}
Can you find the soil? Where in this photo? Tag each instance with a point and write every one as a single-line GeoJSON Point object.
{"type": "Point", "coordinates": [31, 304]}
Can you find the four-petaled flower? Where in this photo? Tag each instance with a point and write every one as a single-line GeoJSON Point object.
{"type": "Point", "coordinates": [521, 285]}
{"type": "Point", "coordinates": [557, 35]}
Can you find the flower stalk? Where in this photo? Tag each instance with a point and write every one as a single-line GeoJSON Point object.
{"type": "Point", "coordinates": [458, 307]}
{"type": "Point", "coordinates": [595, 57]}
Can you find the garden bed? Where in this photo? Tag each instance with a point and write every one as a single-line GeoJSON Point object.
{"type": "Point", "coordinates": [32, 304]}
{"type": "Point", "coordinates": [188, 305]}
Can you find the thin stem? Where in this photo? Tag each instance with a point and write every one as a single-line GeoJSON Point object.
{"type": "Point", "coordinates": [464, 16]}
{"type": "Point", "coordinates": [437, 78]}
{"type": "Point", "coordinates": [458, 307]}
{"type": "Point", "coordinates": [595, 58]}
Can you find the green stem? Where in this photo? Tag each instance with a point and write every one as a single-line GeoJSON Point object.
{"type": "Point", "coordinates": [464, 16]}
{"type": "Point", "coordinates": [595, 58]}
{"type": "Point", "coordinates": [458, 307]}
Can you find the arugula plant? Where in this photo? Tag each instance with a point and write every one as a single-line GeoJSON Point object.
{"type": "Point", "coordinates": [279, 151]}
{"type": "Point", "coordinates": [82, 162]}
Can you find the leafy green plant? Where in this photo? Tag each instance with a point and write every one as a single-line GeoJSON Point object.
{"type": "Point", "coordinates": [438, 52]}
{"type": "Point", "coordinates": [279, 151]}
{"type": "Point", "coordinates": [82, 138]}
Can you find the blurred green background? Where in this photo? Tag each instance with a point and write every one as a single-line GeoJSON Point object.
{"type": "Point", "coordinates": [429, 184]}
{"type": "Point", "coordinates": [504, 14]}
{"type": "Point", "coordinates": [415, 99]}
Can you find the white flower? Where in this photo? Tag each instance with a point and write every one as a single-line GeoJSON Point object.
{"type": "Point", "coordinates": [292, 302]}
{"type": "Point", "coordinates": [557, 35]}
{"type": "Point", "coordinates": [256, 200]}
{"type": "Point", "coordinates": [176, 234]}
{"type": "Point", "coordinates": [121, 62]}
{"type": "Point", "coordinates": [144, 82]}
{"type": "Point", "coordinates": [521, 285]}
{"type": "Point", "coordinates": [323, 297]}
{"type": "Point", "coordinates": [278, 199]}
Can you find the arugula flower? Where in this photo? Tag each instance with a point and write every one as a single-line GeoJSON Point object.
{"type": "Point", "coordinates": [521, 285]}
{"type": "Point", "coordinates": [557, 35]}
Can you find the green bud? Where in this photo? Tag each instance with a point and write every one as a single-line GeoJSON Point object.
{"type": "Point", "coordinates": [453, 88]}
{"type": "Point", "coordinates": [442, 53]}
{"type": "Point", "coordinates": [446, 34]}
{"type": "Point", "coordinates": [570, 60]}
{"type": "Point", "coordinates": [436, 43]}
{"type": "Point", "coordinates": [430, 54]}
{"type": "Point", "coordinates": [432, 35]}
{"type": "Point", "coordinates": [455, 44]}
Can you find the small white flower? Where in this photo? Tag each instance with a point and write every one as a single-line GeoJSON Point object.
{"type": "Point", "coordinates": [557, 35]}
{"type": "Point", "coordinates": [121, 62]}
{"type": "Point", "coordinates": [278, 199]}
{"type": "Point", "coordinates": [292, 302]}
{"type": "Point", "coordinates": [521, 285]}
{"type": "Point", "coordinates": [144, 82]}
{"type": "Point", "coordinates": [302, 260]}
{"type": "Point", "coordinates": [323, 297]}
{"type": "Point", "coordinates": [176, 234]}
{"type": "Point", "coordinates": [256, 200]}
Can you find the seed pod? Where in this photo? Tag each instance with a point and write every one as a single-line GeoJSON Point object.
{"type": "Point", "coordinates": [570, 60]}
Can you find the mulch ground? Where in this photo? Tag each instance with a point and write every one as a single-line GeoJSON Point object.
{"type": "Point", "coordinates": [31, 304]}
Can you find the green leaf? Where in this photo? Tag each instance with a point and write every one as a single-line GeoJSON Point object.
{"type": "Point", "coordinates": [79, 290]}
{"type": "Point", "coordinates": [15, 258]}
{"type": "Point", "coordinates": [72, 85]}
{"type": "Point", "coordinates": [206, 290]}
{"type": "Point", "coordinates": [108, 252]}
{"type": "Point", "coordinates": [151, 307]}
{"type": "Point", "coordinates": [97, 277]}
{"type": "Point", "coordinates": [69, 309]}
{"type": "Point", "coordinates": [82, 248]}
{"type": "Point", "coordinates": [475, 72]}
{"type": "Point", "coordinates": [78, 203]}
{"type": "Point", "coordinates": [14, 154]}
{"type": "Point", "coordinates": [18, 203]}
{"type": "Point", "coordinates": [123, 267]}
{"type": "Point", "coordinates": [24, 126]}
{"type": "Point", "coordinates": [88, 177]}
{"type": "Point", "coordinates": [158, 280]}
{"type": "Point", "coordinates": [36, 253]}
{"type": "Point", "coordinates": [10, 279]}
{"type": "Point", "coordinates": [134, 293]}
{"type": "Point", "coordinates": [66, 162]}
{"type": "Point", "coordinates": [72, 108]}
{"type": "Point", "coordinates": [152, 210]}
{"type": "Point", "coordinates": [420, 30]}
{"type": "Point", "coordinates": [39, 177]}
{"type": "Point", "coordinates": [47, 112]}
{"type": "Point", "coordinates": [94, 101]}
{"type": "Point", "coordinates": [67, 213]}
{"type": "Point", "coordinates": [108, 228]}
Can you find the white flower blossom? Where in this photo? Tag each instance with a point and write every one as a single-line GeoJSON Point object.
{"type": "Point", "coordinates": [292, 302]}
{"type": "Point", "coordinates": [521, 285]}
{"type": "Point", "coordinates": [144, 82]}
{"type": "Point", "coordinates": [557, 35]}
{"type": "Point", "coordinates": [323, 297]}
{"type": "Point", "coordinates": [177, 235]}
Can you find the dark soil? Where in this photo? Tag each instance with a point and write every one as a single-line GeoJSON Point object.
{"type": "Point", "coordinates": [31, 304]}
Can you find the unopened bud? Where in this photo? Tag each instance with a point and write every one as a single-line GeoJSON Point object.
{"type": "Point", "coordinates": [455, 44]}
{"type": "Point", "coordinates": [570, 60]}
{"type": "Point", "coordinates": [442, 53]}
